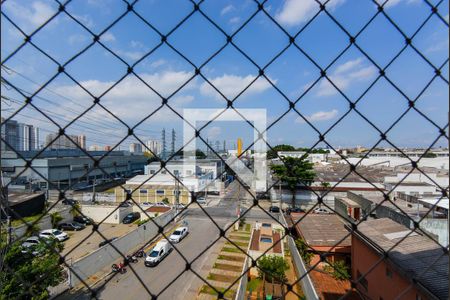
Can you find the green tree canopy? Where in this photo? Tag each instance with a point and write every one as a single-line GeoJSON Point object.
{"type": "Point", "coordinates": [27, 276]}
{"type": "Point", "coordinates": [294, 171]}
{"type": "Point", "coordinates": [273, 267]}
{"type": "Point", "coordinates": [272, 153]}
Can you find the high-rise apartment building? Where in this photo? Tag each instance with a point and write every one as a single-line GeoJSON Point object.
{"type": "Point", "coordinates": [82, 141]}
{"type": "Point", "coordinates": [154, 146]}
{"type": "Point", "coordinates": [135, 148]}
{"type": "Point", "coordinates": [62, 142]}
{"type": "Point", "coordinates": [19, 136]}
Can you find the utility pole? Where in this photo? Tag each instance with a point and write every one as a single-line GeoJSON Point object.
{"type": "Point", "coordinates": [177, 196]}
{"type": "Point", "coordinates": [172, 144]}
{"type": "Point", "coordinates": [93, 190]}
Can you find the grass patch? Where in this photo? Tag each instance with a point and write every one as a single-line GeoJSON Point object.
{"type": "Point", "coordinates": [254, 284]}
{"type": "Point", "coordinates": [248, 227]}
{"type": "Point", "coordinates": [232, 250]}
{"type": "Point", "coordinates": [206, 289]}
{"type": "Point", "coordinates": [227, 267]}
{"type": "Point", "coordinates": [240, 244]}
{"type": "Point", "coordinates": [29, 219]}
{"type": "Point", "coordinates": [220, 277]}
{"type": "Point", "coordinates": [231, 258]}
{"type": "Point", "coordinates": [238, 237]}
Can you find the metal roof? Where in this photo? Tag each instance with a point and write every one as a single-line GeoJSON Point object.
{"type": "Point", "coordinates": [417, 256]}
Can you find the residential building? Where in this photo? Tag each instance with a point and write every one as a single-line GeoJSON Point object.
{"type": "Point", "coordinates": [135, 148]}
{"type": "Point", "coordinates": [56, 142]}
{"type": "Point", "coordinates": [82, 141]}
{"type": "Point", "coordinates": [107, 148]}
{"type": "Point", "coordinates": [156, 188]}
{"type": "Point", "coordinates": [154, 146]}
{"type": "Point", "coordinates": [95, 148]}
{"type": "Point", "coordinates": [20, 136]}
{"type": "Point", "coordinates": [312, 157]}
{"type": "Point", "coordinates": [324, 234]}
{"type": "Point", "coordinates": [414, 268]}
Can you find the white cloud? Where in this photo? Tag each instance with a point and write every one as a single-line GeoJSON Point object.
{"type": "Point", "coordinates": [392, 3]}
{"type": "Point", "coordinates": [319, 116]}
{"type": "Point", "coordinates": [32, 15]}
{"type": "Point", "coordinates": [344, 75]}
{"type": "Point", "coordinates": [76, 39]}
{"type": "Point", "coordinates": [227, 9]}
{"type": "Point", "coordinates": [108, 37]}
{"type": "Point", "coordinates": [231, 85]}
{"type": "Point", "coordinates": [131, 99]}
{"type": "Point", "coordinates": [158, 63]}
{"type": "Point", "coordinates": [295, 12]}
{"type": "Point", "coordinates": [234, 20]}
{"type": "Point", "coordinates": [214, 132]}
{"type": "Point", "coordinates": [134, 55]}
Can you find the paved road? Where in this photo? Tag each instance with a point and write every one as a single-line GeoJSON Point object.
{"type": "Point", "coordinates": [159, 280]}
{"type": "Point", "coordinates": [162, 280]}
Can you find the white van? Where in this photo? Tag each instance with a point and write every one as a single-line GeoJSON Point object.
{"type": "Point", "coordinates": [157, 254]}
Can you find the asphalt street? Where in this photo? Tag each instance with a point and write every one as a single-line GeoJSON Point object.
{"type": "Point", "coordinates": [169, 280]}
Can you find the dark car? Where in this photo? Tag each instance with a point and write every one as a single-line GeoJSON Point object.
{"type": "Point", "coordinates": [69, 202]}
{"type": "Point", "coordinates": [71, 226]}
{"type": "Point", "coordinates": [294, 210]}
{"type": "Point", "coordinates": [105, 242]}
{"type": "Point", "coordinates": [274, 209]}
{"type": "Point", "coordinates": [82, 220]}
{"type": "Point", "coordinates": [131, 217]}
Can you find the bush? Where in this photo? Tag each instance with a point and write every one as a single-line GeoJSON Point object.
{"type": "Point", "coordinates": [242, 222]}
{"type": "Point", "coordinates": [339, 270]}
{"type": "Point", "coordinates": [55, 218]}
{"type": "Point", "coordinates": [165, 201]}
{"type": "Point", "coordinates": [273, 267]}
{"type": "Point", "coordinates": [304, 250]}
{"type": "Point", "coordinates": [140, 222]}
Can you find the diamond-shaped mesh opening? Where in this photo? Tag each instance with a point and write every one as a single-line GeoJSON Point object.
{"type": "Point", "coordinates": [344, 187]}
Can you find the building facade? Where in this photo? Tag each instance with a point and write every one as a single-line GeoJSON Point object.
{"type": "Point", "coordinates": [56, 142]}
{"type": "Point", "coordinates": [19, 136]}
{"type": "Point", "coordinates": [154, 146]}
{"type": "Point", "coordinates": [135, 148]}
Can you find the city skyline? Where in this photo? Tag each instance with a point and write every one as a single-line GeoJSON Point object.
{"type": "Point", "coordinates": [231, 72]}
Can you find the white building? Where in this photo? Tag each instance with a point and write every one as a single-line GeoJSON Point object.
{"type": "Point", "coordinates": [312, 157]}
{"type": "Point", "coordinates": [154, 146]}
{"type": "Point", "coordinates": [135, 148]}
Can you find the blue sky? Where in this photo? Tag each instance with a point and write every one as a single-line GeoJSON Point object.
{"type": "Point", "coordinates": [197, 39]}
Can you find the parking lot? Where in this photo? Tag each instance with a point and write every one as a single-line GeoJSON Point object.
{"type": "Point", "coordinates": [85, 245]}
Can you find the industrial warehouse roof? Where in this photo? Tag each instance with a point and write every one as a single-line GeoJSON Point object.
{"type": "Point", "coordinates": [417, 256]}
{"type": "Point", "coordinates": [322, 230]}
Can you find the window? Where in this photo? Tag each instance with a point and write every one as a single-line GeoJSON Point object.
{"type": "Point", "coordinates": [160, 192]}
{"type": "Point", "coordinates": [152, 171]}
{"type": "Point", "coordinates": [266, 240]}
{"type": "Point", "coordinates": [143, 191]}
{"type": "Point", "coordinates": [267, 225]}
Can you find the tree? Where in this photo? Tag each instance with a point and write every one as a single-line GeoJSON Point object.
{"type": "Point", "coordinates": [75, 210]}
{"type": "Point", "coordinates": [295, 171]}
{"type": "Point", "coordinates": [55, 218]}
{"type": "Point", "coordinates": [27, 276]}
{"type": "Point", "coordinates": [303, 250]}
{"type": "Point", "coordinates": [339, 270]}
{"type": "Point", "coordinates": [273, 267]}
{"type": "Point", "coordinates": [272, 153]}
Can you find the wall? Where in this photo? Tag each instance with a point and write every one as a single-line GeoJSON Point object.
{"type": "Point", "coordinates": [105, 256]}
{"type": "Point", "coordinates": [99, 212]}
{"type": "Point", "coordinates": [300, 269]}
{"type": "Point", "coordinates": [44, 223]}
{"type": "Point", "coordinates": [380, 285]}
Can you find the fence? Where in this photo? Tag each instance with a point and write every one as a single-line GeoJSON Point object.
{"type": "Point", "coordinates": [300, 269]}
{"type": "Point", "coordinates": [82, 269]}
{"type": "Point", "coordinates": [376, 60]}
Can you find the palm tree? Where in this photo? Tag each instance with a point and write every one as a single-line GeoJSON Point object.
{"type": "Point", "coordinates": [293, 172]}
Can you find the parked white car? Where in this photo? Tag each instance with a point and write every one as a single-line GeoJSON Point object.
{"type": "Point", "coordinates": [158, 253]}
{"type": "Point", "coordinates": [319, 210]}
{"type": "Point", "coordinates": [54, 234]}
{"type": "Point", "coordinates": [179, 234]}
